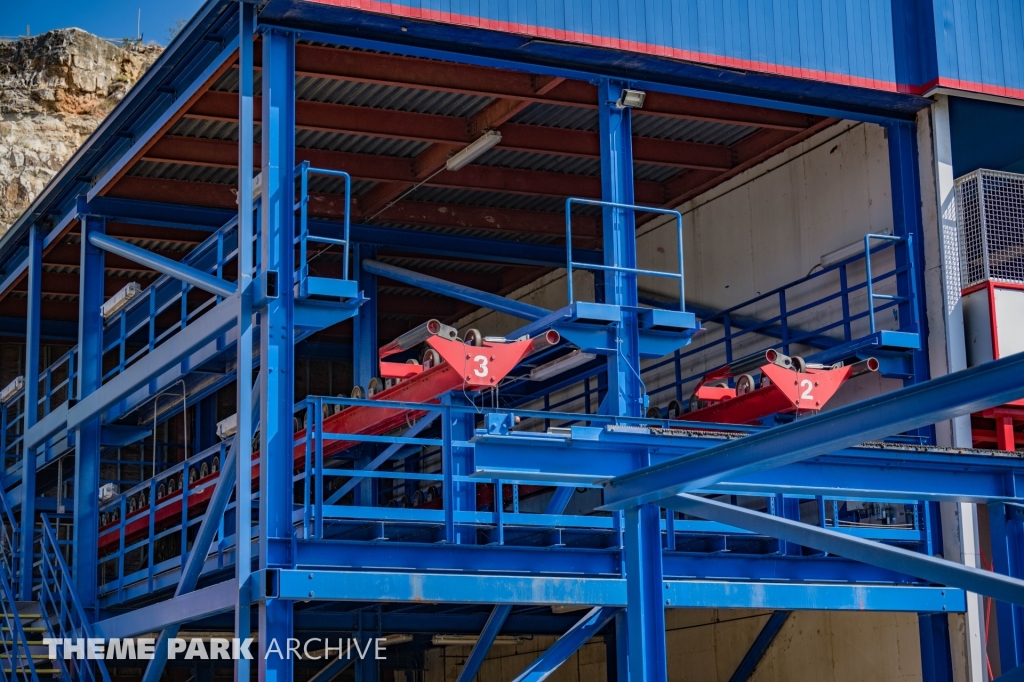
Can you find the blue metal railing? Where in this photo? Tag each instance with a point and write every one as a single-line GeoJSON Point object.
{"type": "Point", "coordinates": [61, 610]}
{"type": "Point", "coordinates": [303, 171]}
{"type": "Point", "coordinates": [570, 264]}
{"type": "Point", "coordinates": [17, 663]}
{"type": "Point", "coordinates": [872, 296]}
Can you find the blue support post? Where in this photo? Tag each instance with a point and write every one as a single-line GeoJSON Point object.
{"type": "Point", "coordinates": [364, 359]}
{"type": "Point", "coordinates": [568, 644]}
{"type": "Point", "coordinates": [645, 612]}
{"type": "Point", "coordinates": [760, 646]}
{"type": "Point", "coordinates": [936, 658]}
{"type": "Point", "coordinates": [87, 444]}
{"type": "Point", "coordinates": [1006, 528]}
{"type": "Point", "coordinates": [28, 461]}
{"type": "Point", "coordinates": [277, 339]}
{"type": "Point", "coordinates": [458, 496]}
{"type": "Point", "coordinates": [906, 206]}
{"type": "Point", "coordinates": [483, 645]}
{"type": "Point", "coordinates": [243, 379]}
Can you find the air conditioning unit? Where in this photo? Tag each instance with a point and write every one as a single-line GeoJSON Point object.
{"type": "Point", "coordinates": [120, 300]}
{"type": "Point", "coordinates": [227, 427]}
{"type": "Point", "coordinates": [108, 491]}
{"type": "Point", "coordinates": [11, 389]}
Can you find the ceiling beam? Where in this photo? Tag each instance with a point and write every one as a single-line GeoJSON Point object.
{"type": "Point", "coordinates": [455, 131]}
{"type": "Point", "coordinates": [411, 72]}
{"type": "Point", "coordinates": [486, 218]}
{"type": "Point", "coordinates": [222, 154]}
{"type": "Point", "coordinates": [432, 160]}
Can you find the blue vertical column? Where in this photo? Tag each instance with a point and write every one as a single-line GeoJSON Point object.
{"type": "Point", "coordinates": [243, 470]}
{"type": "Point", "coordinates": [277, 341]}
{"type": "Point", "coordinates": [645, 612]}
{"type": "Point", "coordinates": [457, 496]}
{"type": "Point", "coordinates": [87, 441]}
{"type": "Point", "coordinates": [1006, 529]}
{"type": "Point", "coordinates": [32, 351]}
{"type": "Point", "coordinates": [906, 206]}
{"type": "Point", "coordinates": [364, 359]}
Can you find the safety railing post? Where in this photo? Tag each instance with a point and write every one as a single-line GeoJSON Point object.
{"type": "Point", "coordinates": [318, 517]}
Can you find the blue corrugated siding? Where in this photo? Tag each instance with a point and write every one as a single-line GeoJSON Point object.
{"type": "Point", "coordinates": [895, 45]}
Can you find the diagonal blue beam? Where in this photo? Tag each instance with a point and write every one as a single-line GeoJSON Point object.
{"type": "Point", "coordinates": [897, 559]}
{"type": "Point", "coordinates": [166, 266]}
{"type": "Point", "coordinates": [760, 646]}
{"type": "Point", "coordinates": [460, 292]}
{"type": "Point", "coordinates": [197, 557]}
{"type": "Point", "coordinates": [568, 644]}
{"type": "Point", "coordinates": [331, 671]}
{"type": "Point", "coordinates": [972, 390]}
{"type": "Point", "coordinates": [483, 645]}
{"type": "Point", "coordinates": [384, 456]}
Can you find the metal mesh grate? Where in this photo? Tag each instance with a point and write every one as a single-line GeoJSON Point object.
{"type": "Point", "coordinates": [990, 217]}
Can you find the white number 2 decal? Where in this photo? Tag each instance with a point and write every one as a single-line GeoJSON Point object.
{"type": "Point", "coordinates": [807, 385]}
{"type": "Point", "coordinates": [482, 370]}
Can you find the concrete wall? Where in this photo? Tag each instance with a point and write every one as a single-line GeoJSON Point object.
{"type": "Point", "coordinates": [708, 645]}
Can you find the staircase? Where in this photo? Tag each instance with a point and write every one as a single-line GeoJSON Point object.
{"type": "Point", "coordinates": [23, 656]}
{"type": "Point", "coordinates": [57, 613]}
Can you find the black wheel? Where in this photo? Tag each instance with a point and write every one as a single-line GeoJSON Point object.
{"type": "Point", "coordinates": [204, 470]}
{"type": "Point", "coordinates": [358, 392]}
{"type": "Point", "coordinates": [694, 403]}
{"type": "Point", "coordinates": [432, 493]}
{"type": "Point", "coordinates": [192, 476]}
{"type": "Point", "coordinates": [744, 384]}
{"type": "Point", "coordinates": [474, 338]}
{"type": "Point", "coordinates": [216, 463]}
{"type": "Point", "coordinates": [161, 491]}
{"type": "Point", "coordinates": [430, 358]}
{"type": "Point", "coordinates": [181, 481]}
{"type": "Point", "coordinates": [375, 387]}
{"type": "Point", "coordinates": [799, 364]}
{"type": "Point", "coordinates": [115, 515]}
{"type": "Point", "coordinates": [132, 505]}
{"type": "Point", "coordinates": [104, 519]}
{"type": "Point", "coordinates": [653, 413]}
{"type": "Point", "coordinates": [403, 502]}
{"type": "Point", "coordinates": [171, 485]}
{"type": "Point", "coordinates": [674, 409]}
{"type": "Point", "coordinates": [417, 498]}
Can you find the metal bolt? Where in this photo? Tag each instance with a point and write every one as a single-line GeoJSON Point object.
{"type": "Point", "coordinates": [310, 576]}
{"type": "Point", "coordinates": [311, 593]}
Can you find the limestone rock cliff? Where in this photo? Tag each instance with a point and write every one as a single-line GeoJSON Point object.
{"type": "Point", "coordinates": [55, 89]}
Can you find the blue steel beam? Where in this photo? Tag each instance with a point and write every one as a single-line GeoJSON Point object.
{"type": "Point", "coordinates": [923, 566]}
{"type": "Point", "coordinates": [197, 555]}
{"type": "Point", "coordinates": [1006, 531]}
{"type": "Point", "coordinates": [85, 557]}
{"type": "Point", "coordinates": [1014, 675]}
{"type": "Point", "coordinates": [204, 602]}
{"type": "Point", "coordinates": [459, 292]}
{"type": "Point", "coordinates": [208, 327]}
{"type": "Point", "coordinates": [245, 404]}
{"type": "Point", "coordinates": [590, 456]}
{"type": "Point", "coordinates": [760, 646]}
{"type": "Point", "coordinates": [165, 266]}
{"type": "Point", "coordinates": [33, 348]}
{"type": "Point", "coordinates": [972, 390]}
{"type": "Point", "coordinates": [483, 645]}
{"type": "Point", "coordinates": [568, 644]}
{"type": "Point", "coordinates": [277, 339]}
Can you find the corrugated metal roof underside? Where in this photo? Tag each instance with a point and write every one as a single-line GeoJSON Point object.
{"type": "Point", "coordinates": [353, 93]}
{"type": "Point", "coordinates": [661, 127]}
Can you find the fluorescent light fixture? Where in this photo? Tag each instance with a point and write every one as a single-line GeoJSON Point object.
{"type": "Point", "coordinates": [470, 640]}
{"type": "Point", "coordinates": [474, 150]}
{"type": "Point", "coordinates": [227, 427]}
{"type": "Point", "coordinates": [120, 300]}
{"type": "Point", "coordinates": [11, 389]}
{"type": "Point", "coordinates": [631, 99]}
{"type": "Point", "coordinates": [562, 364]}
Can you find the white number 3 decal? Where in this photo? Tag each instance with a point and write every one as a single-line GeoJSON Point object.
{"type": "Point", "coordinates": [807, 385]}
{"type": "Point", "coordinates": [482, 370]}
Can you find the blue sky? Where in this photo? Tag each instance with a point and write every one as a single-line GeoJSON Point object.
{"type": "Point", "coordinates": [107, 18]}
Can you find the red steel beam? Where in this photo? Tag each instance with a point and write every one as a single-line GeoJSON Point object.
{"type": "Point", "coordinates": [222, 154]}
{"type": "Point", "coordinates": [455, 131]}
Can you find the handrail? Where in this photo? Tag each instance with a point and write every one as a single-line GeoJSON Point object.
{"type": "Point", "coordinates": [10, 540]}
{"type": "Point", "coordinates": [618, 268]}
{"type": "Point", "coordinates": [888, 297]}
{"type": "Point", "coordinates": [17, 651]}
{"type": "Point", "coordinates": [60, 609]}
{"type": "Point", "coordinates": [303, 171]}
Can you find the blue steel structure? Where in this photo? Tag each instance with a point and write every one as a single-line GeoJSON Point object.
{"type": "Point", "coordinates": [483, 510]}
